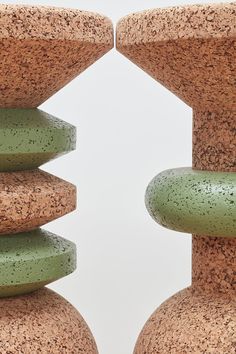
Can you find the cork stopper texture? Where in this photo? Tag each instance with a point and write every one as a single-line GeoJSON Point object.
{"type": "Point", "coordinates": [43, 322]}
{"type": "Point", "coordinates": [191, 50]}
{"type": "Point", "coordinates": [48, 47]}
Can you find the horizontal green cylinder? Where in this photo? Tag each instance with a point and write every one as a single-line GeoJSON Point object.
{"type": "Point", "coordinates": [30, 260]}
{"type": "Point", "coordinates": [191, 201]}
{"type": "Point", "coordinates": [30, 137]}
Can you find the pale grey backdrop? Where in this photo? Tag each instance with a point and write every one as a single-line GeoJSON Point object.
{"type": "Point", "coordinates": [129, 129]}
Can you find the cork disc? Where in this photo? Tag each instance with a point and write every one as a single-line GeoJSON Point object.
{"type": "Point", "coordinates": [30, 260]}
{"type": "Point", "coordinates": [30, 137]}
{"type": "Point", "coordinates": [43, 48]}
{"type": "Point", "coordinates": [191, 50]}
{"type": "Point", "coordinates": [30, 199]}
{"type": "Point", "coordinates": [43, 322]}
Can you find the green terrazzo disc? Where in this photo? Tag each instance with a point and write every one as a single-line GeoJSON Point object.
{"type": "Point", "coordinates": [30, 137]}
{"type": "Point", "coordinates": [198, 202]}
{"type": "Point", "coordinates": [28, 261]}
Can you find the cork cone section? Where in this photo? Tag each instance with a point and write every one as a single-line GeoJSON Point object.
{"type": "Point", "coordinates": [42, 49]}
{"type": "Point", "coordinates": [191, 50]}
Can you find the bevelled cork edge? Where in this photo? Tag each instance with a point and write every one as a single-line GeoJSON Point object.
{"type": "Point", "coordinates": [42, 22]}
{"type": "Point", "coordinates": [174, 23]}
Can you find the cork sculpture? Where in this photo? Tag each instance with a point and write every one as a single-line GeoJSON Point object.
{"type": "Point", "coordinates": [42, 49]}
{"type": "Point", "coordinates": [191, 50]}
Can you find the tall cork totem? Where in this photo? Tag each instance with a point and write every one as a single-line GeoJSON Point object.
{"type": "Point", "coordinates": [191, 50]}
{"type": "Point", "coordinates": [42, 49]}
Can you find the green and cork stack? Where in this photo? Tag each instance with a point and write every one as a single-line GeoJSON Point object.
{"type": "Point", "coordinates": [191, 50]}
{"type": "Point", "coordinates": [42, 49]}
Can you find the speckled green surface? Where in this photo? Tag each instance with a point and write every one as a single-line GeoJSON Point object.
{"type": "Point", "coordinates": [28, 261]}
{"type": "Point", "coordinates": [191, 201]}
{"type": "Point", "coordinates": [30, 137]}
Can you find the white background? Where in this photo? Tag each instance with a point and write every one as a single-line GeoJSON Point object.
{"type": "Point", "coordinates": [129, 129]}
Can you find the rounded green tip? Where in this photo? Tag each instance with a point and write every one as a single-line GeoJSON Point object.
{"type": "Point", "coordinates": [197, 202]}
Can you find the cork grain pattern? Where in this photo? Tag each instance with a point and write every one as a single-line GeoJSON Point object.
{"type": "Point", "coordinates": [214, 140]}
{"type": "Point", "coordinates": [48, 47]}
{"type": "Point", "coordinates": [43, 322]}
{"type": "Point", "coordinates": [190, 50]}
{"type": "Point", "coordinates": [190, 322]}
{"type": "Point", "coordinates": [29, 199]}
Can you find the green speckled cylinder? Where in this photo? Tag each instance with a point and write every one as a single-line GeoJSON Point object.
{"type": "Point", "coordinates": [30, 137]}
{"type": "Point", "coordinates": [30, 260]}
{"type": "Point", "coordinates": [191, 201]}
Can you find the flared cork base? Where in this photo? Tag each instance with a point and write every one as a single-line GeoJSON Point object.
{"type": "Point", "coordinates": [43, 322]}
{"type": "Point", "coordinates": [201, 318]}
{"type": "Point", "coordinates": [190, 323]}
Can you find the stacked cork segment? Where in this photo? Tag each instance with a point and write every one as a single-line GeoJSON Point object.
{"type": "Point", "coordinates": [191, 50]}
{"type": "Point", "coordinates": [42, 49]}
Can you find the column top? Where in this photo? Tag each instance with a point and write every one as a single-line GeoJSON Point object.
{"type": "Point", "coordinates": [191, 50]}
{"type": "Point", "coordinates": [44, 48]}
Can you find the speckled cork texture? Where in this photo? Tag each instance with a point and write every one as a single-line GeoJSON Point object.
{"type": "Point", "coordinates": [28, 261]}
{"type": "Point", "coordinates": [42, 49]}
{"type": "Point", "coordinates": [191, 323]}
{"type": "Point", "coordinates": [214, 266]}
{"type": "Point", "coordinates": [47, 47]}
{"type": "Point", "coordinates": [43, 322]}
{"type": "Point", "coordinates": [191, 51]}
{"type": "Point", "coordinates": [32, 198]}
{"type": "Point", "coordinates": [30, 137]}
{"type": "Point", "coordinates": [191, 201]}
{"type": "Point", "coordinates": [214, 140]}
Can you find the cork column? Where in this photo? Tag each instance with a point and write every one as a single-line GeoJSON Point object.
{"type": "Point", "coordinates": [214, 149]}
{"type": "Point", "coordinates": [191, 50]}
{"type": "Point", "coordinates": [42, 49]}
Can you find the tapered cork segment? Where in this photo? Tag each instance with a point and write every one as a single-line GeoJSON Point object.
{"type": "Point", "coordinates": [30, 199]}
{"type": "Point", "coordinates": [30, 260]}
{"type": "Point", "coordinates": [30, 137]}
{"type": "Point", "coordinates": [44, 48]}
{"type": "Point", "coordinates": [43, 322]}
{"type": "Point", "coordinates": [190, 50]}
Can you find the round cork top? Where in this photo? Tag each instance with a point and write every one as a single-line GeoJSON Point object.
{"type": "Point", "coordinates": [190, 50]}
{"type": "Point", "coordinates": [44, 22]}
{"type": "Point", "coordinates": [181, 22]}
{"type": "Point", "coordinates": [44, 48]}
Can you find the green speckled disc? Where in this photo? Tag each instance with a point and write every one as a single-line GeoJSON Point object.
{"type": "Point", "coordinates": [30, 137]}
{"type": "Point", "coordinates": [198, 202]}
{"type": "Point", "coordinates": [30, 260]}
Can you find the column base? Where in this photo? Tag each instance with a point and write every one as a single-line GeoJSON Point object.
{"type": "Point", "coordinates": [191, 322]}
{"type": "Point", "coordinates": [43, 322]}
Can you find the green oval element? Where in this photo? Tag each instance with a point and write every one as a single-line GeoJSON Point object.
{"type": "Point", "coordinates": [30, 260]}
{"type": "Point", "coordinates": [30, 137]}
{"type": "Point", "coordinates": [198, 202]}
